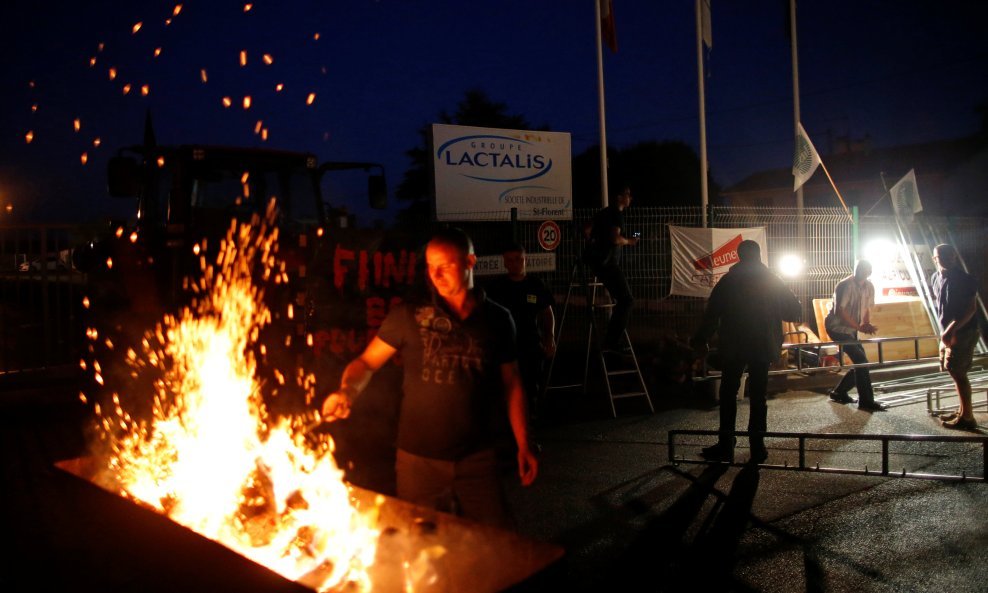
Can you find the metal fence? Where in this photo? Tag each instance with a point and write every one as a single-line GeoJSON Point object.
{"type": "Point", "coordinates": [40, 294]}
{"type": "Point", "coordinates": [40, 297]}
{"type": "Point", "coordinates": [825, 241]}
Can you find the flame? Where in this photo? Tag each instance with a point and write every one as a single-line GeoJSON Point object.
{"type": "Point", "coordinates": [212, 459]}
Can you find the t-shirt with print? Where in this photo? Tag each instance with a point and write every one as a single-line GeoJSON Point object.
{"type": "Point", "coordinates": [452, 374]}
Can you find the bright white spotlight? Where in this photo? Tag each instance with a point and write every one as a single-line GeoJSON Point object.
{"type": "Point", "coordinates": [881, 253]}
{"type": "Point", "coordinates": [790, 265]}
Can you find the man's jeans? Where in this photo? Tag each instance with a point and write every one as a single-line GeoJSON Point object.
{"type": "Point", "coordinates": [860, 377]}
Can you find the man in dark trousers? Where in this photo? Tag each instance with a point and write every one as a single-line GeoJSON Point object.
{"type": "Point", "coordinates": [460, 369]}
{"type": "Point", "coordinates": [530, 303]}
{"type": "Point", "coordinates": [850, 313]}
{"type": "Point", "coordinates": [956, 295]}
{"type": "Point", "coordinates": [603, 254]}
{"type": "Point", "coordinates": [746, 309]}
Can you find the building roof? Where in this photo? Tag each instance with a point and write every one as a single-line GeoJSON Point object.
{"type": "Point", "coordinates": [945, 173]}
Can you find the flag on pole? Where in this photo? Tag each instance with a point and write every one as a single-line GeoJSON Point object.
{"type": "Point", "coordinates": [905, 197]}
{"type": "Point", "coordinates": [708, 36]}
{"type": "Point", "coordinates": [805, 160]}
{"type": "Point", "coordinates": [607, 24]}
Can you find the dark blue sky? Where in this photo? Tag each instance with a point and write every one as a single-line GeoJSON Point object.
{"type": "Point", "coordinates": [896, 71]}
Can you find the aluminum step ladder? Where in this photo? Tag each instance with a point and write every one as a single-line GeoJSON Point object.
{"type": "Point", "coordinates": [622, 374]}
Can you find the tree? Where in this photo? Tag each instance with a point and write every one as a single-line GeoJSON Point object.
{"type": "Point", "coordinates": [475, 109]}
{"type": "Point", "coordinates": [660, 174]}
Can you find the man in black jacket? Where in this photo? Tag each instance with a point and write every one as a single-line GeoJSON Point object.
{"type": "Point", "coordinates": [746, 309]}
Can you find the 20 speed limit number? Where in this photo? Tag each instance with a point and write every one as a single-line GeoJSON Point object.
{"type": "Point", "coordinates": [549, 235]}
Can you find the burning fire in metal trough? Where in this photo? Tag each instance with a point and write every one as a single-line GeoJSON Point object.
{"type": "Point", "coordinates": [212, 459]}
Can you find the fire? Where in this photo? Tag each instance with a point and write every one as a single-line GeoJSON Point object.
{"type": "Point", "coordinates": [212, 459]}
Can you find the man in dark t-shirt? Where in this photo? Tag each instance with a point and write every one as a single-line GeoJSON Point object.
{"type": "Point", "coordinates": [459, 361]}
{"type": "Point", "coordinates": [530, 303]}
{"type": "Point", "coordinates": [603, 254]}
{"type": "Point", "coordinates": [956, 294]}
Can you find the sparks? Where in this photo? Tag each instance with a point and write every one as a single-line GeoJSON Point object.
{"type": "Point", "coordinates": [126, 88]}
{"type": "Point", "coordinates": [113, 73]}
{"type": "Point", "coordinates": [29, 137]}
{"type": "Point", "coordinates": [145, 90]}
{"type": "Point", "coordinates": [243, 57]}
{"type": "Point", "coordinates": [203, 76]}
{"type": "Point", "coordinates": [268, 59]}
{"type": "Point", "coordinates": [227, 101]}
{"type": "Point", "coordinates": [84, 158]}
{"type": "Point", "coordinates": [137, 27]}
{"type": "Point", "coordinates": [310, 99]}
{"type": "Point", "coordinates": [247, 102]}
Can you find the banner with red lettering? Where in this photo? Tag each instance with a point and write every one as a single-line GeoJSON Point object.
{"type": "Point", "coordinates": [700, 257]}
{"type": "Point", "coordinates": [358, 278]}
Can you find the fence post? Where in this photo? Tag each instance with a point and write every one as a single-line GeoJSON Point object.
{"type": "Point", "coordinates": [855, 239]}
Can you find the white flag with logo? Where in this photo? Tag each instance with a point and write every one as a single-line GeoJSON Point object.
{"type": "Point", "coordinates": [905, 197]}
{"type": "Point", "coordinates": [701, 256]}
{"type": "Point", "coordinates": [805, 160]}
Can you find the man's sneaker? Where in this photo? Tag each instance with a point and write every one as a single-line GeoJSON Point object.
{"type": "Point", "coordinates": [841, 398]}
{"type": "Point", "coordinates": [872, 406]}
{"type": "Point", "coordinates": [719, 453]}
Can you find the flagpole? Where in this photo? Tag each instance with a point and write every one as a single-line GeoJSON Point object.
{"type": "Point", "coordinates": [703, 113]}
{"type": "Point", "coordinates": [836, 191]}
{"type": "Point", "coordinates": [600, 103]}
{"type": "Point", "coordinates": [795, 109]}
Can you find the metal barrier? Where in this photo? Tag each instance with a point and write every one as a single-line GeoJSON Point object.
{"type": "Point", "coordinates": [40, 297]}
{"type": "Point", "coordinates": [838, 348]}
{"type": "Point", "coordinates": [885, 439]}
{"type": "Point", "coordinates": [879, 342]}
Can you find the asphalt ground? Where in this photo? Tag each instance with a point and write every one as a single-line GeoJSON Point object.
{"type": "Point", "coordinates": [628, 518]}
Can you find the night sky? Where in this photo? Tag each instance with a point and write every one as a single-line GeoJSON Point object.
{"type": "Point", "coordinates": [897, 72]}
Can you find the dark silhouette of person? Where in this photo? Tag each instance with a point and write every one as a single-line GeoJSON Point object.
{"type": "Point", "coordinates": [746, 309]}
{"type": "Point", "coordinates": [603, 255]}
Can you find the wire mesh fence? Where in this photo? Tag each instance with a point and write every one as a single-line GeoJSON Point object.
{"type": "Point", "coordinates": [823, 238]}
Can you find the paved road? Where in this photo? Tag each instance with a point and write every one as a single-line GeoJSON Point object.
{"type": "Point", "coordinates": [631, 521]}
{"type": "Point", "coordinates": [628, 519]}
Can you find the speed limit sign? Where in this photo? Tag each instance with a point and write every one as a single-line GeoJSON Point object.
{"type": "Point", "coordinates": [549, 235]}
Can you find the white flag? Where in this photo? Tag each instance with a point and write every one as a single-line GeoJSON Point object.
{"type": "Point", "coordinates": [905, 197]}
{"type": "Point", "coordinates": [805, 160]}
